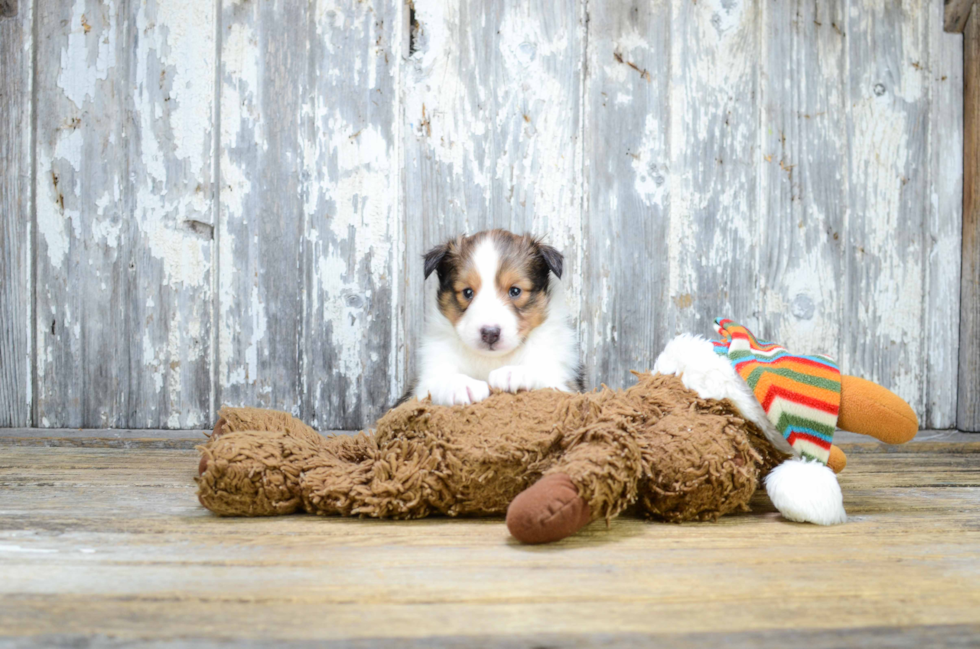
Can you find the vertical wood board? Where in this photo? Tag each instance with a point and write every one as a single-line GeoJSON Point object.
{"type": "Point", "coordinates": [124, 213]}
{"type": "Point", "coordinates": [264, 81]}
{"type": "Point", "coordinates": [353, 228]}
{"type": "Point", "coordinates": [968, 406]}
{"type": "Point", "coordinates": [888, 64]}
{"type": "Point", "coordinates": [714, 144]}
{"type": "Point", "coordinates": [308, 223]}
{"type": "Point", "coordinates": [627, 311]}
{"type": "Point", "coordinates": [804, 182]}
{"type": "Point", "coordinates": [16, 163]}
{"type": "Point", "coordinates": [944, 229]}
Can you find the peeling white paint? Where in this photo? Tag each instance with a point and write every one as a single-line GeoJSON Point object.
{"type": "Point", "coordinates": [153, 364]}
{"type": "Point", "coordinates": [174, 35]}
{"type": "Point", "coordinates": [52, 227]}
{"type": "Point", "coordinates": [123, 177]}
{"type": "Point", "coordinates": [184, 256]}
{"type": "Point", "coordinates": [106, 229]}
{"type": "Point", "coordinates": [240, 81]}
{"type": "Point", "coordinates": [361, 193]}
{"type": "Point", "coordinates": [357, 195]}
{"type": "Point", "coordinates": [88, 56]}
{"type": "Point", "coordinates": [55, 221]}
{"type": "Point", "coordinates": [710, 191]}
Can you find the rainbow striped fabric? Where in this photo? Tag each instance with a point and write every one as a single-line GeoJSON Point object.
{"type": "Point", "coordinates": [800, 394]}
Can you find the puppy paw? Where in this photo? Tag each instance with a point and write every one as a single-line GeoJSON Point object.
{"type": "Point", "coordinates": [514, 378]}
{"type": "Point", "coordinates": [458, 390]}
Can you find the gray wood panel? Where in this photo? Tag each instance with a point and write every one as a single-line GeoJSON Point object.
{"type": "Point", "coordinates": [888, 83]}
{"type": "Point", "coordinates": [492, 133]}
{"type": "Point", "coordinates": [714, 181]}
{"type": "Point", "coordinates": [264, 80]}
{"type": "Point", "coordinates": [353, 221]}
{"type": "Point", "coordinates": [968, 406]}
{"type": "Point", "coordinates": [804, 181]}
{"type": "Point", "coordinates": [944, 230]}
{"type": "Point", "coordinates": [124, 213]}
{"type": "Point", "coordinates": [308, 227]}
{"type": "Point", "coordinates": [16, 281]}
{"type": "Point", "coordinates": [627, 311]}
{"type": "Point", "coordinates": [807, 68]}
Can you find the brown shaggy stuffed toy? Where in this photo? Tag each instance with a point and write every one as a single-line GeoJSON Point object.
{"type": "Point", "coordinates": [552, 461]}
{"type": "Point", "coordinates": [575, 457]}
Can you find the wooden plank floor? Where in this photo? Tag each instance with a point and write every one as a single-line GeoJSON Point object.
{"type": "Point", "coordinates": [104, 544]}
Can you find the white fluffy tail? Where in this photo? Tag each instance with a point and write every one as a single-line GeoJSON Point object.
{"type": "Point", "coordinates": [806, 491]}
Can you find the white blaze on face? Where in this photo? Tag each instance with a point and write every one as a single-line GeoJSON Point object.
{"type": "Point", "coordinates": [488, 310]}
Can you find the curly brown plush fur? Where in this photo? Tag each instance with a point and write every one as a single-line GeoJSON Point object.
{"type": "Point", "coordinates": [657, 444]}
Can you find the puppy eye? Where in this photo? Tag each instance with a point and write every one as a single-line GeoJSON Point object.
{"type": "Point", "coordinates": [468, 293]}
{"type": "Point", "coordinates": [515, 291]}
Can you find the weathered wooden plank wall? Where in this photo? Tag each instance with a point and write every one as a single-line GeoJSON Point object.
{"type": "Point", "coordinates": [233, 197]}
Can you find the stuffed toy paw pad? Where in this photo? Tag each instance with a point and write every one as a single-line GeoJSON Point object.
{"type": "Point", "coordinates": [549, 510]}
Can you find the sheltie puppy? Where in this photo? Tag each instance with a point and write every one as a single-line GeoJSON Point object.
{"type": "Point", "coordinates": [501, 320]}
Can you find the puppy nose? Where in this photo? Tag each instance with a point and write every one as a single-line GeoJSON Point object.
{"type": "Point", "coordinates": [490, 335]}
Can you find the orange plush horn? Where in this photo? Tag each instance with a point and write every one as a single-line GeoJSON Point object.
{"type": "Point", "coordinates": [869, 409]}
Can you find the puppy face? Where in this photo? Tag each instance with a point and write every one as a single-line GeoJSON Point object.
{"type": "Point", "coordinates": [493, 287]}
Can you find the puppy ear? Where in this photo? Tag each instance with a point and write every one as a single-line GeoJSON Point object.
{"type": "Point", "coordinates": [433, 257]}
{"type": "Point", "coordinates": [554, 259]}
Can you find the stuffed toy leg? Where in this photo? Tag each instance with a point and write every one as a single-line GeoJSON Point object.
{"type": "Point", "coordinates": [699, 460]}
{"type": "Point", "coordinates": [798, 401]}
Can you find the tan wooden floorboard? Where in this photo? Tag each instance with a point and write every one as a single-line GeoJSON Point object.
{"type": "Point", "coordinates": [108, 546]}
